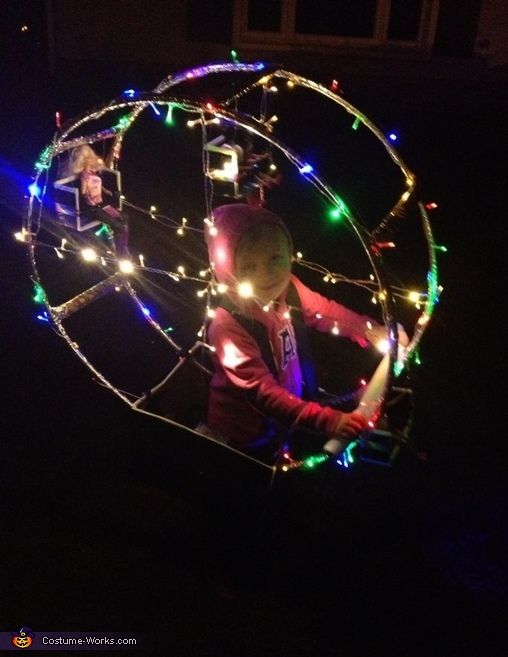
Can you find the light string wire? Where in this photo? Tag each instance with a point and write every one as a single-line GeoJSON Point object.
{"type": "Point", "coordinates": [359, 116]}
{"type": "Point", "coordinates": [119, 130]}
{"type": "Point", "coordinates": [257, 129]}
{"type": "Point", "coordinates": [368, 285]}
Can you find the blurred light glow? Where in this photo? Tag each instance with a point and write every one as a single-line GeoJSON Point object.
{"type": "Point", "coordinates": [245, 289]}
{"type": "Point", "coordinates": [89, 255]}
{"type": "Point", "coordinates": [34, 189]}
{"type": "Point", "coordinates": [126, 266]}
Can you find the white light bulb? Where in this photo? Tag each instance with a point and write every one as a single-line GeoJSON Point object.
{"type": "Point", "coordinates": [245, 289]}
{"type": "Point", "coordinates": [88, 255]}
{"type": "Point", "coordinates": [126, 266]}
{"type": "Point", "coordinates": [383, 346]}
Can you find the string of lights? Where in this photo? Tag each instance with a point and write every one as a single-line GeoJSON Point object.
{"type": "Point", "coordinates": [121, 273]}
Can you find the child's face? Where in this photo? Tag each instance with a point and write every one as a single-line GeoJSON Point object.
{"type": "Point", "coordinates": [264, 262]}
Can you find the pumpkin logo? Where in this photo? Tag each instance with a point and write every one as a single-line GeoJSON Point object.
{"type": "Point", "coordinates": [23, 638]}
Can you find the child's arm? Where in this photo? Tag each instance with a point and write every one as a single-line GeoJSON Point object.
{"type": "Point", "coordinates": [240, 359]}
{"type": "Point", "coordinates": [324, 314]}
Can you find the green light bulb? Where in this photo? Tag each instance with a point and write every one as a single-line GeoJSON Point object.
{"type": "Point", "coordinates": [39, 294]}
{"type": "Point", "coordinates": [335, 214]}
{"type": "Point", "coordinates": [169, 120]}
{"type": "Point", "coordinates": [311, 461]}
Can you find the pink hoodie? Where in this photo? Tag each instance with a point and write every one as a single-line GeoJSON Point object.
{"type": "Point", "coordinates": [245, 396]}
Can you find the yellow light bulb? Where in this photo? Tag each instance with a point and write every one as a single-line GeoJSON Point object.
{"type": "Point", "coordinates": [414, 297]}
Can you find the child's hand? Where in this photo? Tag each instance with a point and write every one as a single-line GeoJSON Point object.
{"type": "Point", "coordinates": [350, 424]}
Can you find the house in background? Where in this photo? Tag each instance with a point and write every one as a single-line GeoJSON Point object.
{"type": "Point", "coordinates": [404, 29]}
{"type": "Point", "coordinates": [433, 37]}
{"type": "Point", "coordinates": [187, 31]}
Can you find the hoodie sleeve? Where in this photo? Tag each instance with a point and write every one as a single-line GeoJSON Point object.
{"type": "Point", "coordinates": [324, 314]}
{"type": "Point", "coordinates": [239, 359]}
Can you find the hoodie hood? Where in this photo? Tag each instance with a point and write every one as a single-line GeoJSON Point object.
{"type": "Point", "coordinates": [232, 222]}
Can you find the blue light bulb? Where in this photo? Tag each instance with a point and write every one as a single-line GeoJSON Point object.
{"type": "Point", "coordinates": [307, 168]}
{"type": "Point", "coordinates": [34, 189]}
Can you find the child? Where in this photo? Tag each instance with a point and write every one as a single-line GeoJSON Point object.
{"type": "Point", "coordinates": [86, 164]}
{"type": "Point", "coordinates": [258, 382]}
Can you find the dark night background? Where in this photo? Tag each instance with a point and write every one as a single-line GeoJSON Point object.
{"type": "Point", "coordinates": [114, 522]}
